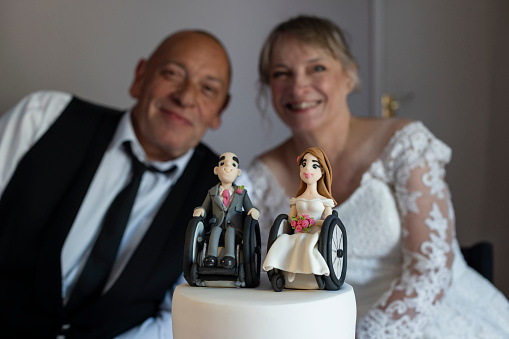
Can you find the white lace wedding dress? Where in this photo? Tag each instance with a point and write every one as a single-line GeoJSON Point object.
{"type": "Point", "coordinates": [416, 286]}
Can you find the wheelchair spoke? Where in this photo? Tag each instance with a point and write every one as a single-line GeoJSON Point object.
{"type": "Point", "coordinates": [337, 251]}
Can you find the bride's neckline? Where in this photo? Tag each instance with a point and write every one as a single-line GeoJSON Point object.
{"type": "Point", "coordinates": [388, 146]}
{"type": "Point", "coordinates": [301, 198]}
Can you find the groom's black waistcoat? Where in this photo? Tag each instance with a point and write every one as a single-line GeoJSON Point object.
{"type": "Point", "coordinates": [38, 208]}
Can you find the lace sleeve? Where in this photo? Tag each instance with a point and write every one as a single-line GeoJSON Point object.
{"type": "Point", "coordinates": [414, 161]}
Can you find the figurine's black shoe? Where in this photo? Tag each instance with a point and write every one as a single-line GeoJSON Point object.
{"type": "Point", "coordinates": [228, 262]}
{"type": "Point", "coordinates": [210, 261]}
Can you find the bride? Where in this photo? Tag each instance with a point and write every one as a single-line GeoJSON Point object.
{"type": "Point", "coordinates": [404, 262]}
{"type": "Point", "coordinates": [298, 252]}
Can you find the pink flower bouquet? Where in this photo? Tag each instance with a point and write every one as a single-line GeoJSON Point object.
{"type": "Point", "coordinates": [302, 223]}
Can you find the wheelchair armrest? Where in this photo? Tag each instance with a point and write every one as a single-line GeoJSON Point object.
{"type": "Point", "coordinates": [213, 221]}
{"type": "Point", "coordinates": [285, 227]}
{"type": "Point", "coordinates": [278, 227]}
{"type": "Point", "coordinates": [333, 215]}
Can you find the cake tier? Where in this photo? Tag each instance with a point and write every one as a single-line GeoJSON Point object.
{"type": "Point", "coordinates": [232, 313]}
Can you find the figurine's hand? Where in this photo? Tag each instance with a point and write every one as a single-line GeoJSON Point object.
{"type": "Point", "coordinates": [319, 223]}
{"type": "Point", "coordinates": [293, 213]}
{"type": "Point", "coordinates": [199, 212]}
{"type": "Point", "coordinates": [254, 213]}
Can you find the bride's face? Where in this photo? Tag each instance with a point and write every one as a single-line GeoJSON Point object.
{"type": "Point", "coordinates": [310, 169]}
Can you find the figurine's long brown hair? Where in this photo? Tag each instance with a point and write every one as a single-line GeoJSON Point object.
{"type": "Point", "coordinates": [324, 184]}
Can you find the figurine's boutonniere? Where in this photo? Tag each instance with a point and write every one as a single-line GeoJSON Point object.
{"type": "Point", "coordinates": [240, 189]}
{"type": "Point", "coordinates": [302, 223]}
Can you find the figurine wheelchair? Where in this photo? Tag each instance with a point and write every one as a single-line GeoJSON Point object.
{"type": "Point", "coordinates": [332, 246]}
{"type": "Point", "coordinates": [245, 273]}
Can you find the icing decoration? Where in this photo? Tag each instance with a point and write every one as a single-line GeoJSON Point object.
{"type": "Point", "coordinates": [302, 223]}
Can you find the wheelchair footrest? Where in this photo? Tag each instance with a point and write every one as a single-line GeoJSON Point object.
{"type": "Point", "coordinates": [218, 271]}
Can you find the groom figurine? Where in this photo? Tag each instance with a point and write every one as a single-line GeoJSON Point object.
{"type": "Point", "coordinates": [227, 201]}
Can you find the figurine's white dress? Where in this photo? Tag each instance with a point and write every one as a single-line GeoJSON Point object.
{"type": "Point", "coordinates": [405, 287]}
{"type": "Point", "coordinates": [298, 253]}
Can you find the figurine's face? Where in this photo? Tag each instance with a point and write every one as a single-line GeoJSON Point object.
{"type": "Point", "coordinates": [309, 87]}
{"type": "Point", "coordinates": [181, 91]}
{"type": "Point", "coordinates": [228, 168]}
{"type": "Point", "coordinates": [310, 169]}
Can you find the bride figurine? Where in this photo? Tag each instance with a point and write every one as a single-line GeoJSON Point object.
{"type": "Point", "coordinates": [297, 254]}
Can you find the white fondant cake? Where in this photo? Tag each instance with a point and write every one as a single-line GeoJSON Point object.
{"type": "Point", "coordinates": [261, 313]}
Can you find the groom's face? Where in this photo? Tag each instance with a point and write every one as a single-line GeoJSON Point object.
{"type": "Point", "coordinates": [228, 168]}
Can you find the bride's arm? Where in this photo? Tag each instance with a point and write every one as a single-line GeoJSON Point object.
{"type": "Point", "coordinates": [326, 213]}
{"type": "Point", "coordinates": [293, 213]}
{"type": "Point", "coordinates": [428, 233]}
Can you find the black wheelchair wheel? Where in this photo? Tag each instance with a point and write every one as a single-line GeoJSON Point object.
{"type": "Point", "coordinates": [194, 239]}
{"type": "Point", "coordinates": [278, 282]}
{"type": "Point", "coordinates": [333, 247]}
{"type": "Point", "coordinates": [275, 231]}
{"type": "Point", "coordinates": [252, 251]}
{"type": "Point", "coordinates": [270, 274]}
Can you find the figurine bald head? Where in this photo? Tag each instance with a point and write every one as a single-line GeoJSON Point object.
{"type": "Point", "coordinates": [228, 168]}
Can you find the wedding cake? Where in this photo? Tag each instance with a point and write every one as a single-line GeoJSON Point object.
{"type": "Point", "coordinates": [259, 313]}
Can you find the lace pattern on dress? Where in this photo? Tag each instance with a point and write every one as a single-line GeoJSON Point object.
{"type": "Point", "coordinates": [414, 163]}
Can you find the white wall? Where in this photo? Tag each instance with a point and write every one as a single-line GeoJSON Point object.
{"type": "Point", "coordinates": [90, 48]}
{"type": "Point", "coordinates": [452, 56]}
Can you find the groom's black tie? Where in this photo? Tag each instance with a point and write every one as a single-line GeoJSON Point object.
{"type": "Point", "coordinates": [93, 278]}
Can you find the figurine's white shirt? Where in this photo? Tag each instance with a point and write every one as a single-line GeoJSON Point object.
{"type": "Point", "coordinates": [21, 128]}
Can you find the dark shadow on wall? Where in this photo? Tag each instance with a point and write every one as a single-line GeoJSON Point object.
{"type": "Point", "coordinates": [496, 196]}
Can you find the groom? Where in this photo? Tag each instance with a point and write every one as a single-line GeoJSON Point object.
{"type": "Point", "coordinates": [227, 201]}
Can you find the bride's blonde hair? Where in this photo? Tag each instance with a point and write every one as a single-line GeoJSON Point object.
{"type": "Point", "coordinates": [324, 184]}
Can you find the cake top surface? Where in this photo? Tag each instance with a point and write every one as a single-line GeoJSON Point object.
{"type": "Point", "coordinates": [261, 296]}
